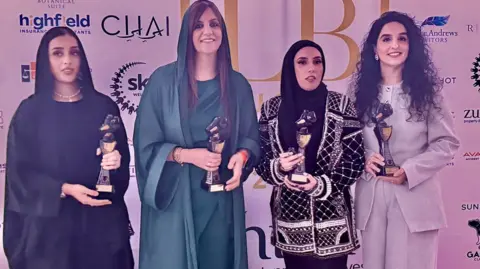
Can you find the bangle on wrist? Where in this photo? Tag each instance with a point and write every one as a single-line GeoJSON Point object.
{"type": "Point", "coordinates": [244, 154]}
{"type": "Point", "coordinates": [176, 155]}
{"type": "Point", "coordinates": [62, 194]}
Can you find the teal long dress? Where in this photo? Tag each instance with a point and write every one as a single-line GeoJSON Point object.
{"type": "Point", "coordinates": [182, 226]}
{"type": "Point", "coordinates": [212, 212]}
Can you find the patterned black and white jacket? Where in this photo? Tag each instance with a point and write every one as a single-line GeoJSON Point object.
{"type": "Point", "coordinates": [320, 222]}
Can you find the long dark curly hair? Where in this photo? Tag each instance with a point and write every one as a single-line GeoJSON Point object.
{"type": "Point", "coordinates": [420, 77]}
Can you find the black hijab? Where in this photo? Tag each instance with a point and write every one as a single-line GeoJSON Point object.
{"type": "Point", "coordinates": [295, 100]}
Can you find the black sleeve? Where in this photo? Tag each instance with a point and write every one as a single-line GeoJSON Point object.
{"type": "Point", "coordinates": [29, 188]}
{"type": "Point", "coordinates": [268, 168]}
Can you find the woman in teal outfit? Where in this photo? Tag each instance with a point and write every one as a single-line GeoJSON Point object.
{"type": "Point", "coordinates": [182, 225]}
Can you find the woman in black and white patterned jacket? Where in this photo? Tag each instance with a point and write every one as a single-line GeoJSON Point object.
{"type": "Point", "coordinates": [313, 221]}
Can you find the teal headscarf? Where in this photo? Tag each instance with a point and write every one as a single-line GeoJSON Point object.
{"type": "Point", "coordinates": [185, 38]}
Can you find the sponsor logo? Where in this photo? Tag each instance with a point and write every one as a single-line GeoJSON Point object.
{"type": "Point", "coordinates": [475, 72]}
{"type": "Point", "coordinates": [28, 72]}
{"type": "Point", "coordinates": [30, 24]}
{"type": "Point", "coordinates": [433, 29]}
{"type": "Point", "coordinates": [262, 243]}
{"type": "Point", "coordinates": [128, 84]}
{"type": "Point", "coordinates": [472, 28]}
{"type": "Point", "coordinates": [448, 80]}
{"type": "Point", "coordinates": [471, 115]}
{"type": "Point", "coordinates": [475, 254]}
{"type": "Point", "coordinates": [471, 156]}
{"type": "Point", "coordinates": [56, 4]}
{"type": "Point", "coordinates": [470, 207]}
{"type": "Point", "coordinates": [129, 27]}
{"type": "Point", "coordinates": [259, 183]}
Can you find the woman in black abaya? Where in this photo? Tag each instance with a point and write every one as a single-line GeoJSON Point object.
{"type": "Point", "coordinates": [53, 217]}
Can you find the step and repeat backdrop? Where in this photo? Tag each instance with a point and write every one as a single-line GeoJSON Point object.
{"type": "Point", "coordinates": [125, 40]}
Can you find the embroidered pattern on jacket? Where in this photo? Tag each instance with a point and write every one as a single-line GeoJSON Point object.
{"type": "Point", "coordinates": [319, 222]}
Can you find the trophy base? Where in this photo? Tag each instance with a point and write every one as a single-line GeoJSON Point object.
{"type": "Point", "coordinates": [388, 171]}
{"type": "Point", "coordinates": [105, 192]}
{"type": "Point", "coordinates": [213, 187]}
{"type": "Point", "coordinates": [299, 179]}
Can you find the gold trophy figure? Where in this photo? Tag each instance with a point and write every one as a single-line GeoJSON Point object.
{"type": "Point", "coordinates": [217, 133]}
{"type": "Point", "coordinates": [303, 138]}
{"type": "Point", "coordinates": [107, 145]}
{"type": "Point", "coordinates": [383, 132]}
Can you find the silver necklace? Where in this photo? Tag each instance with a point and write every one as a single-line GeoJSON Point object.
{"type": "Point", "coordinates": [68, 97]}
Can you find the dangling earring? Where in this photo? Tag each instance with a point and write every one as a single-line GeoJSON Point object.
{"type": "Point", "coordinates": [79, 76]}
{"type": "Point", "coordinates": [376, 57]}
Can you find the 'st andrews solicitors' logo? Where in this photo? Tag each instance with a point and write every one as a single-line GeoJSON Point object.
{"type": "Point", "coordinates": [435, 35]}
{"type": "Point", "coordinates": [475, 72]}
{"type": "Point", "coordinates": [435, 21]}
{"type": "Point", "coordinates": [475, 224]}
{"type": "Point", "coordinates": [127, 90]}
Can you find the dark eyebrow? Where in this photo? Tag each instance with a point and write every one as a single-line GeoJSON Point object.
{"type": "Point", "coordinates": [389, 35]}
{"type": "Point", "coordinates": [72, 47]}
{"type": "Point", "coordinates": [212, 20]}
{"type": "Point", "coordinates": [305, 58]}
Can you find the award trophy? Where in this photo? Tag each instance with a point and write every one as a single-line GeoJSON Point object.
{"type": "Point", "coordinates": [217, 133]}
{"type": "Point", "coordinates": [107, 145]}
{"type": "Point", "coordinates": [383, 132]}
{"type": "Point", "coordinates": [303, 138]}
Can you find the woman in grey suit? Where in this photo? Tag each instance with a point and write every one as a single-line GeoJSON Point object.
{"type": "Point", "coordinates": [399, 207]}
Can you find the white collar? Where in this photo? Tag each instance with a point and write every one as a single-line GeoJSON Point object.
{"type": "Point", "coordinates": [391, 87]}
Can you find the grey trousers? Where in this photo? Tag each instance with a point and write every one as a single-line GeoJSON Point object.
{"type": "Point", "coordinates": [387, 242]}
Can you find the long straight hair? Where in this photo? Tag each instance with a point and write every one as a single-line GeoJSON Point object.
{"type": "Point", "coordinates": [223, 55]}
{"type": "Point", "coordinates": [44, 80]}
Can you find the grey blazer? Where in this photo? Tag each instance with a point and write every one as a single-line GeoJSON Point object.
{"type": "Point", "coordinates": [422, 149]}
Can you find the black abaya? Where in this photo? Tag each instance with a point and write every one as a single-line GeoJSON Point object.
{"type": "Point", "coordinates": [51, 143]}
